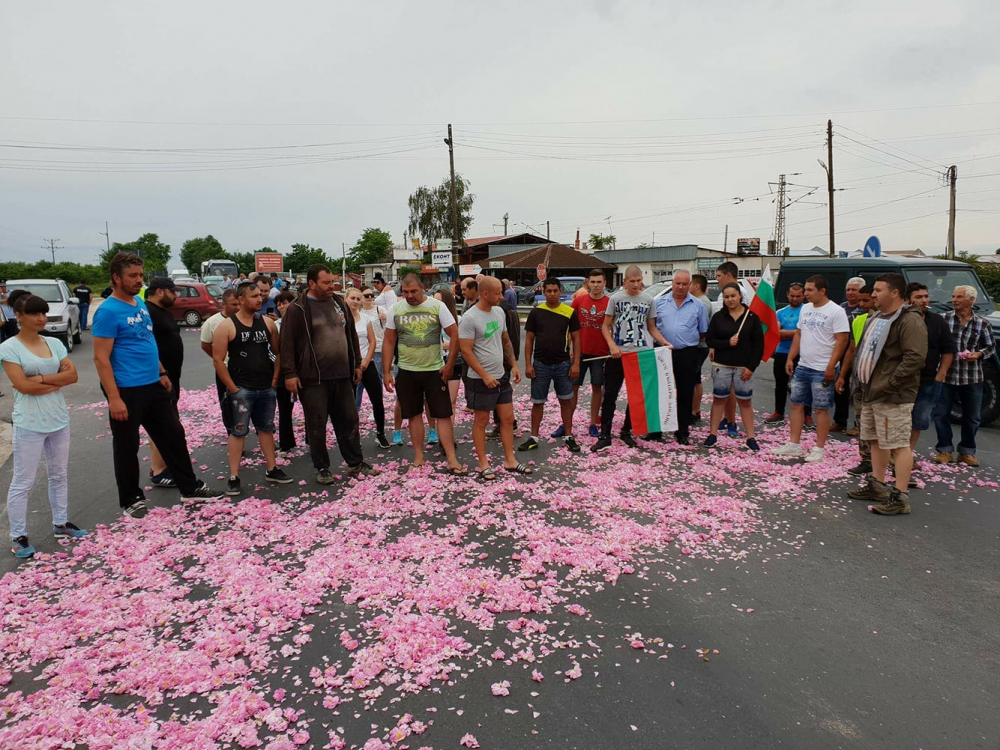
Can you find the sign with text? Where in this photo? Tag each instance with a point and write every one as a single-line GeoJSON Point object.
{"type": "Point", "coordinates": [441, 259]}
{"type": "Point", "coordinates": [470, 270]}
{"type": "Point", "coordinates": [748, 246]}
{"type": "Point", "coordinates": [269, 262]}
{"type": "Point", "coordinates": [496, 264]}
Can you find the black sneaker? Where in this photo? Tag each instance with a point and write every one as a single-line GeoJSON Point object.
{"type": "Point", "coordinates": [277, 476]}
{"type": "Point", "coordinates": [602, 444]}
{"type": "Point", "coordinates": [571, 445]}
{"type": "Point", "coordinates": [654, 437]}
{"type": "Point", "coordinates": [865, 467]}
{"type": "Point", "coordinates": [752, 445]}
{"type": "Point", "coordinates": [201, 491]}
{"type": "Point", "coordinates": [68, 530]}
{"type": "Point", "coordinates": [323, 476]}
{"type": "Point", "coordinates": [382, 440]}
{"type": "Point", "coordinates": [682, 439]}
{"type": "Point", "coordinates": [626, 437]}
{"type": "Point", "coordinates": [528, 445]}
{"type": "Point", "coordinates": [137, 509]}
{"type": "Point", "coordinates": [233, 486]}
{"type": "Point", "coordinates": [164, 479]}
{"type": "Point", "coordinates": [696, 418]}
{"type": "Point", "coordinates": [363, 469]}
{"type": "Point", "coordinates": [493, 434]}
{"type": "Point", "coordinates": [710, 441]}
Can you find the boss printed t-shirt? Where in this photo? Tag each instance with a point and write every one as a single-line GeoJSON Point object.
{"type": "Point", "coordinates": [418, 330]}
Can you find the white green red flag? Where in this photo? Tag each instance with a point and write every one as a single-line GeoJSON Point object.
{"type": "Point", "coordinates": [762, 305]}
{"type": "Point", "coordinates": [650, 389]}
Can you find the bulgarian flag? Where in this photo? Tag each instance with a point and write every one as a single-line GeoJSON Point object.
{"type": "Point", "coordinates": [650, 389]}
{"type": "Point", "coordinates": [762, 305]}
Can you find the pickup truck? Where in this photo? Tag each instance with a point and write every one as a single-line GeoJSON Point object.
{"type": "Point", "coordinates": [941, 278]}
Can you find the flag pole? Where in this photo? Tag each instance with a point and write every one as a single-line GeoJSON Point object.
{"type": "Point", "coordinates": [608, 356]}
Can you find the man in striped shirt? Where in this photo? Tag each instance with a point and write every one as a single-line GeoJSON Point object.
{"type": "Point", "coordinates": [974, 342]}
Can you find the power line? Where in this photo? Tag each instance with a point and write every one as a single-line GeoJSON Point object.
{"type": "Point", "coordinates": [52, 248]}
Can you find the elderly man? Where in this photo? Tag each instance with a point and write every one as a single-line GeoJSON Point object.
{"type": "Point", "coordinates": [683, 322]}
{"type": "Point", "coordinates": [842, 399]}
{"type": "Point", "coordinates": [509, 293]}
{"type": "Point", "coordinates": [974, 341]}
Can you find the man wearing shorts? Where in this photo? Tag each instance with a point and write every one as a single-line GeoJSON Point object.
{"type": "Point", "coordinates": [590, 309]}
{"type": "Point", "coordinates": [486, 347]}
{"type": "Point", "coordinates": [416, 323]}
{"type": "Point", "coordinates": [890, 357]}
{"type": "Point", "coordinates": [941, 352]}
{"type": "Point", "coordinates": [819, 344]}
{"type": "Point", "coordinates": [243, 352]}
{"type": "Point", "coordinates": [230, 304]}
{"type": "Point", "coordinates": [552, 357]}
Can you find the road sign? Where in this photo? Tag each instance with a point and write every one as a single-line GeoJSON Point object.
{"type": "Point", "coordinates": [873, 248]}
{"type": "Point", "coordinates": [269, 262]}
{"type": "Point", "coordinates": [470, 270]}
{"type": "Point", "coordinates": [441, 259]}
{"type": "Point", "coordinates": [415, 241]}
{"type": "Point", "coordinates": [541, 272]}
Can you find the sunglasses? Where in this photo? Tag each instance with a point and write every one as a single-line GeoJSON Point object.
{"type": "Point", "coordinates": [368, 296]}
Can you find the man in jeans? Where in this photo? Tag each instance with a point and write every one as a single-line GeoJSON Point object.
{"type": "Point", "coordinates": [83, 293]}
{"type": "Point", "coordinates": [940, 356]}
{"type": "Point", "coordinates": [788, 322]}
{"type": "Point", "coordinates": [889, 359]}
{"type": "Point", "coordinates": [974, 342]}
{"type": "Point", "coordinates": [552, 357]}
{"type": "Point", "coordinates": [243, 354]}
{"type": "Point", "coordinates": [819, 344]}
{"type": "Point", "coordinates": [230, 304]}
{"type": "Point", "coordinates": [590, 309]}
{"type": "Point", "coordinates": [138, 389]}
{"type": "Point", "coordinates": [321, 362]}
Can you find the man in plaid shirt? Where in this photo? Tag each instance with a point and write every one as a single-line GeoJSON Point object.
{"type": "Point", "coordinates": [974, 341]}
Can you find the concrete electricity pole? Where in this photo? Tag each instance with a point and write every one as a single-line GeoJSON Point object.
{"type": "Point", "coordinates": [952, 179]}
{"type": "Point", "coordinates": [455, 238]}
{"type": "Point", "coordinates": [828, 168]}
{"type": "Point", "coordinates": [107, 236]}
{"type": "Point", "coordinates": [52, 248]}
{"type": "Point", "coordinates": [506, 216]}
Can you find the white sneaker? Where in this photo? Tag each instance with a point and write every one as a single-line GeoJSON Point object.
{"type": "Point", "coordinates": [814, 455]}
{"type": "Point", "coordinates": [788, 449]}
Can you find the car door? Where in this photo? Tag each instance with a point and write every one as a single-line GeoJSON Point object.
{"type": "Point", "coordinates": [186, 295]}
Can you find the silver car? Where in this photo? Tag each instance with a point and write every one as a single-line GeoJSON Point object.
{"type": "Point", "coordinates": [64, 313]}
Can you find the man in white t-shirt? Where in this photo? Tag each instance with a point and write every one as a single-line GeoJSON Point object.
{"type": "Point", "coordinates": [385, 298]}
{"type": "Point", "coordinates": [819, 343]}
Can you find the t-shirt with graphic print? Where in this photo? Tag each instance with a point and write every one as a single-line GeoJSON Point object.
{"type": "Point", "coordinates": [631, 313]}
{"type": "Point", "coordinates": [134, 357]}
{"type": "Point", "coordinates": [485, 330]}
{"type": "Point", "coordinates": [591, 312]}
{"type": "Point", "coordinates": [418, 330]}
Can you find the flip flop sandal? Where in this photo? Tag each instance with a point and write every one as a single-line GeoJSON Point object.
{"type": "Point", "coordinates": [486, 475]}
{"type": "Point", "coordinates": [520, 469]}
{"type": "Point", "coordinates": [460, 471]}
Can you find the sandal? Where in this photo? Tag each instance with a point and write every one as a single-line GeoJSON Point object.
{"type": "Point", "coordinates": [486, 475]}
{"type": "Point", "coordinates": [456, 471]}
{"type": "Point", "coordinates": [520, 469]}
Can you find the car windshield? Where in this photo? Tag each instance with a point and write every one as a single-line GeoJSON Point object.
{"type": "Point", "coordinates": [48, 292]}
{"type": "Point", "coordinates": [570, 286]}
{"type": "Point", "coordinates": [941, 282]}
{"type": "Point", "coordinates": [653, 290]}
{"type": "Point", "coordinates": [214, 290]}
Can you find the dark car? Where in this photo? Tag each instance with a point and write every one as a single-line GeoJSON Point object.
{"type": "Point", "coordinates": [940, 276]}
{"type": "Point", "coordinates": [533, 295]}
{"type": "Point", "coordinates": [195, 302]}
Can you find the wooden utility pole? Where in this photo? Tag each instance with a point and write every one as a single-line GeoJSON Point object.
{"type": "Point", "coordinates": [455, 236]}
{"type": "Point", "coordinates": [829, 180]}
{"type": "Point", "coordinates": [952, 179]}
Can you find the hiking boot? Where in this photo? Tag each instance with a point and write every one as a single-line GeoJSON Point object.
{"type": "Point", "coordinates": [21, 548]}
{"type": "Point", "coordinates": [871, 490]}
{"type": "Point", "coordinates": [965, 458]}
{"type": "Point", "coordinates": [68, 531]}
{"type": "Point", "coordinates": [897, 504]}
{"type": "Point", "coordinates": [836, 427]}
{"type": "Point", "coordinates": [382, 440]}
{"type": "Point", "coordinates": [943, 458]}
{"type": "Point", "coordinates": [363, 470]}
{"type": "Point", "coordinates": [792, 450]}
{"type": "Point", "coordinates": [277, 476]}
{"type": "Point", "coordinates": [571, 444]}
{"type": "Point", "coordinates": [774, 418]}
{"type": "Point", "coordinates": [865, 467]}
{"type": "Point", "coordinates": [559, 431]}
{"type": "Point", "coordinates": [710, 441]}
{"type": "Point", "coordinates": [528, 445]}
{"type": "Point", "coordinates": [164, 479]}
{"type": "Point", "coordinates": [233, 486]}
{"type": "Point", "coordinates": [815, 455]}
{"type": "Point", "coordinates": [602, 444]}
{"type": "Point", "coordinates": [323, 476]}
{"type": "Point", "coordinates": [752, 444]}
{"type": "Point", "coordinates": [853, 432]}
{"type": "Point", "coordinates": [626, 437]}
{"type": "Point", "coordinates": [594, 431]}
{"type": "Point", "coordinates": [137, 509]}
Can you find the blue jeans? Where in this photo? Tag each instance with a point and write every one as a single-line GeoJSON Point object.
{"type": "Point", "coordinates": [29, 446]}
{"type": "Point", "coordinates": [808, 389]}
{"type": "Point", "coordinates": [971, 399]}
{"type": "Point", "coordinates": [252, 407]}
{"type": "Point", "coordinates": [546, 375]}
{"type": "Point", "coordinates": [923, 408]}
{"type": "Point", "coordinates": [84, 314]}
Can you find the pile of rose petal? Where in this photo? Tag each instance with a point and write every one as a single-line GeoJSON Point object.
{"type": "Point", "coordinates": [187, 629]}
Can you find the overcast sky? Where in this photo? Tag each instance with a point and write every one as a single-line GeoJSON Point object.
{"type": "Point", "coordinates": [167, 118]}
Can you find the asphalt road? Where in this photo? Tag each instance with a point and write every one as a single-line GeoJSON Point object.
{"type": "Point", "coordinates": [867, 631]}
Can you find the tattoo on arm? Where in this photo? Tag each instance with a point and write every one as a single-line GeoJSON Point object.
{"type": "Point", "coordinates": [508, 350]}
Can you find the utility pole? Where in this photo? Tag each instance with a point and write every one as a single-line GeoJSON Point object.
{"type": "Point", "coordinates": [952, 179]}
{"type": "Point", "coordinates": [779, 218]}
{"type": "Point", "coordinates": [725, 240]}
{"type": "Point", "coordinates": [829, 180]}
{"type": "Point", "coordinates": [343, 266]}
{"type": "Point", "coordinates": [107, 236]}
{"type": "Point", "coordinates": [52, 248]}
{"type": "Point", "coordinates": [547, 236]}
{"type": "Point", "coordinates": [506, 216]}
{"type": "Point", "coordinates": [456, 239]}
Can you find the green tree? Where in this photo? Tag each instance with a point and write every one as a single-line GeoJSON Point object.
{"type": "Point", "coordinates": [196, 251]}
{"type": "Point", "coordinates": [403, 270]}
{"type": "Point", "coordinates": [246, 262]}
{"type": "Point", "coordinates": [374, 246]}
{"type": "Point", "coordinates": [602, 242]}
{"type": "Point", "coordinates": [430, 210]}
{"type": "Point", "coordinates": [303, 256]}
{"type": "Point", "coordinates": [155, 253]}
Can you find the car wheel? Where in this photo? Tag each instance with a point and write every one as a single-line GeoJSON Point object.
{"type": "Point", "coordinates": [991, 398]}
{"type": "Point", "coordinates": [192, 318]}
{"type": "Point", "coordinates": [78, 336]}
{"type": "Point", "coordinates": [67, 341]}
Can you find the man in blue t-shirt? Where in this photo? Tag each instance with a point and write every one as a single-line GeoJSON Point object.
{"type": "Point", "coordinates": [788, 321]}
{"type": "Point", "coordinates": [138, 389]}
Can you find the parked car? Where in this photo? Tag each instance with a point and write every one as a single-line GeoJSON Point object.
{"type": "Point", "coordinates": [64, 314]}
{"type": "Point", "coordinates": [533, 295]}
{"type": "Point", "coordinates": [195, 302]}
{"type": "Point", "coordinates": [940, 276]}
{"type": "Point", "coordinates": [445, 286]}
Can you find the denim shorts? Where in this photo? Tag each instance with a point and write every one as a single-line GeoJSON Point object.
{"type": "Point", "coordinates": [808, 389]}
{"type": "Point", "coordinates": [725, 378]}
{"type": "Point", "coordinates": [250, 406]}
{"type": "Point", "coordinates": [923, 407]}
{"type": "Point", "coordinates": [596, 370]}
{"type": "Point", "coordinates": [557, 374]}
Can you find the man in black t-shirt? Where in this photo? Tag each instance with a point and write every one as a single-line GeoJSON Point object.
{"type": "Point", "coordinates": [940, 355]}
{"type": "Point", "coordinates": [160, 298]}
{"type": "Point", "coordinates": [83, 293]}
